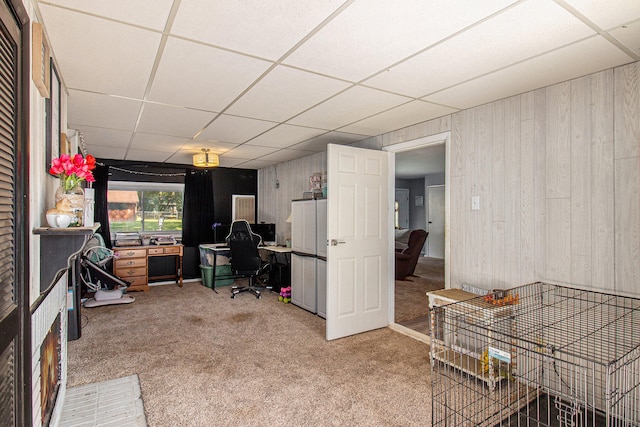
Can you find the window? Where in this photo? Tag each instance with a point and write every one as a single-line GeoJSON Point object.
{"type": "Point", "coordinates": [145, 207]}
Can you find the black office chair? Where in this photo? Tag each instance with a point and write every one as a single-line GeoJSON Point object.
{"type": "Point", "coordinates": [245, 259]}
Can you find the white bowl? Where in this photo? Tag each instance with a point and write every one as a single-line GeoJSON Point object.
{"type": "Point", "coordinates": [58, 220]}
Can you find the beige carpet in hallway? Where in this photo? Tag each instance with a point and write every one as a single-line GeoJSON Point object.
{"type": "Point", "coordinates": [204, 359]}
{"type": "Point", "coordinates": [411, 294]}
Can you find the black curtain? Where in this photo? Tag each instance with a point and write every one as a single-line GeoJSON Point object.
{"type": "Point", "coordinates": [101, 174]}
{"type": "Point", "coordinates": [198, 215]}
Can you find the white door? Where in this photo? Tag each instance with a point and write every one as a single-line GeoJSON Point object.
{"type": "Point", "coordinates": [435, 240]}
{"type": "Point", "coordinates": [402, 199]}
{"type": "Point", "coordinates": [358, 230]}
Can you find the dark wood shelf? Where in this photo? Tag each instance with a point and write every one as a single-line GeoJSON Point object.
{"type": "Point", "coordinates": [58, 249]}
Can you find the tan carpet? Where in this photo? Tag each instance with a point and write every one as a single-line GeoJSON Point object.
{"type": "Point", "coordinates": [411, 293]}
{"type": "Point", "coordinates": [204, 359]}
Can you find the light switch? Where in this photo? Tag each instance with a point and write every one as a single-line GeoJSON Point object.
{"type": "Point", "coordinates": [475, 203]}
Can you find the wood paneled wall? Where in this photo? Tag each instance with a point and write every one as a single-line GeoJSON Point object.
{"type": "Point", "coordinates": [557, 171]}
{"type": "Point", "coordinates": [274, 202]}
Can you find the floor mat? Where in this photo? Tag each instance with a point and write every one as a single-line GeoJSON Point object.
{"type": "Point", "coordinates": [114, 402]}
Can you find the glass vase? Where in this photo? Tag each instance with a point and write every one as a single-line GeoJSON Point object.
{"type": "Point", "coordinates": [71, 201]}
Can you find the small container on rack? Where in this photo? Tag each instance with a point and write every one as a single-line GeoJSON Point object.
{"type": "Point", "coordinates": [317, 180]}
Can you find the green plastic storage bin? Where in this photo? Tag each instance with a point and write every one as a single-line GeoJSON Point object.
{"type": "Point", "coordinates": [207, 275]}
{"type": "Point", "coordinates": [221, 270]}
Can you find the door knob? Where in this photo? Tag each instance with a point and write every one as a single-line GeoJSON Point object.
{"type": "Point", "coordinates": [335, 242]}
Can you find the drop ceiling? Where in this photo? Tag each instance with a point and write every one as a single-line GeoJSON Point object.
{"type": "Point", "coordinates": [262, 82]}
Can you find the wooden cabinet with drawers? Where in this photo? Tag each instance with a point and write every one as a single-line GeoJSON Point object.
{"type": "Point", "coordinates": [132, 264]}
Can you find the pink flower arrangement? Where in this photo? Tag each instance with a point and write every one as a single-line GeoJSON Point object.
{"type": "Point", "coordinates": [73, 170]}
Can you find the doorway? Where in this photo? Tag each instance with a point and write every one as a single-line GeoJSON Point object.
{"type": "Point", "coordinates": [412, 149]}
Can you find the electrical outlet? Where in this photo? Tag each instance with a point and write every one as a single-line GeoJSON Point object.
{"type": "Point", "coordinates": [475, 203]}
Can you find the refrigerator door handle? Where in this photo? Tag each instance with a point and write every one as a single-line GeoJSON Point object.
{"type": "Point", "coordinates": [336, 242]}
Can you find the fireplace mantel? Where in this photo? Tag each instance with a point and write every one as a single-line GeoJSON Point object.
{"type": "Point", "coordinates": [58, 248]}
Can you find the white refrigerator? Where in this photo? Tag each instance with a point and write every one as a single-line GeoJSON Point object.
{"type": "Point", "coordinates": [309, 255]}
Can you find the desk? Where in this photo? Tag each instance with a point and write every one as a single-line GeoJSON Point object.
{"type": "Point", "coordinates": [274, 253]}
{"type": "Point", "coordinates": [280, 262]}
{"type": "Point", "coordinates": [132, 264]}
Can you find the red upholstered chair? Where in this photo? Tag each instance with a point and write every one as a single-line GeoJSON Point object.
{"type": "Point", "coordinates": [407, 259]}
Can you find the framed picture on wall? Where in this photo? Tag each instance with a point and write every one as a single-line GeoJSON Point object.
{"type": "Point", "coordinates": [65, 145]}
{"type": "Point", "coordinates": [52, 113]}
{"type": "Point", "coordinates": [40, 60]}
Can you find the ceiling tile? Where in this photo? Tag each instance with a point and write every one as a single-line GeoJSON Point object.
{"type": "Point", "coordinates": [629, 35]}
{"type": "Point", "coordinates": [150, 141]}
{"type": "Point", "coordinates": [145, 13]}
{"type": "Point", "coordinates": [608, 14]}
{"type": "Point", "coordinates": [169, 120]}
{"type": "Point", "coordinates": [264, 28]}
{"type": "Point", "coordinates": [199, 76]}
{"type": "Point", "coordinates": [148, 156]}
{"type": "Point", "coordinates": [245, 151]}
{"type": "Point", "coordinates": [284, 92]}
{"type": "Point", "coordinates": [399, 117]}
{"type": "Point", "coordinates": [234, 129]}
{"type": "Point", "coordinates": [589, 56]}
{"type": "Point", "coordinates": [319, 143]}
{"type": "Point", "coordinates": [195, 146]}
{"type": "Point", "coordinates": [371, 35]}
{"type": "Point", "coordinates": [181, 157]}
{"type": "Point", "coordinates": [284, 136]}
{"type": "Point", "coordinates": [231, 65]}
{"type": "Point", "coordinates": [98, 55]}
{"type": "Point", "coordinates": [90, 109]}
{"type": "Point", "coordinates": [230, 162]}
{"type": "Point", "coordinates": [256, 164]}
{"type": "Point", "coordinates": [100, 137]}
{"type": "Point", "coordinates": [501, 41]}
{"type": "Point", "coordinates": [106, 152]}
{"type": "Point", "coordinates": [350, 106]}
{"type": "Point", "coordinates": [285, 155]}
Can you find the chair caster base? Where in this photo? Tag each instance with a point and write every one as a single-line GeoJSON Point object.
{"type": "Point", "coordinates": [236, 290]}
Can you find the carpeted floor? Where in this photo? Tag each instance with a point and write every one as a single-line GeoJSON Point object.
{"type": "Point", "coordinates": [204, 359]}
{"type": "Point", "coordinates": [412, 304]}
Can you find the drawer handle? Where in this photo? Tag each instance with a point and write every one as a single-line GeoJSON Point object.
{"type": "Point", "coordinates": [130, 272]}
{"type": "Point", "coordinates": [131, 253]}
{"type": "Point", "coordinates": [131, 262]}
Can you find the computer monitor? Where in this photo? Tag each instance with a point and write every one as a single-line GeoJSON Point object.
{"type": "Point", "coordinates": [266, 231]}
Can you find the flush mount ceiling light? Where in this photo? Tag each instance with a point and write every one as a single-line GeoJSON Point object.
{"type": "Point", "coordinates": [206, 159]}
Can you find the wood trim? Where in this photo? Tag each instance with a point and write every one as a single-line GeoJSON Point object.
{"type": "Point", "coordinates": [40, 60]}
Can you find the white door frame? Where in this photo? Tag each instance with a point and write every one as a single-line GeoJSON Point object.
{"type": "Point", "coordinates": [441, 138]}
